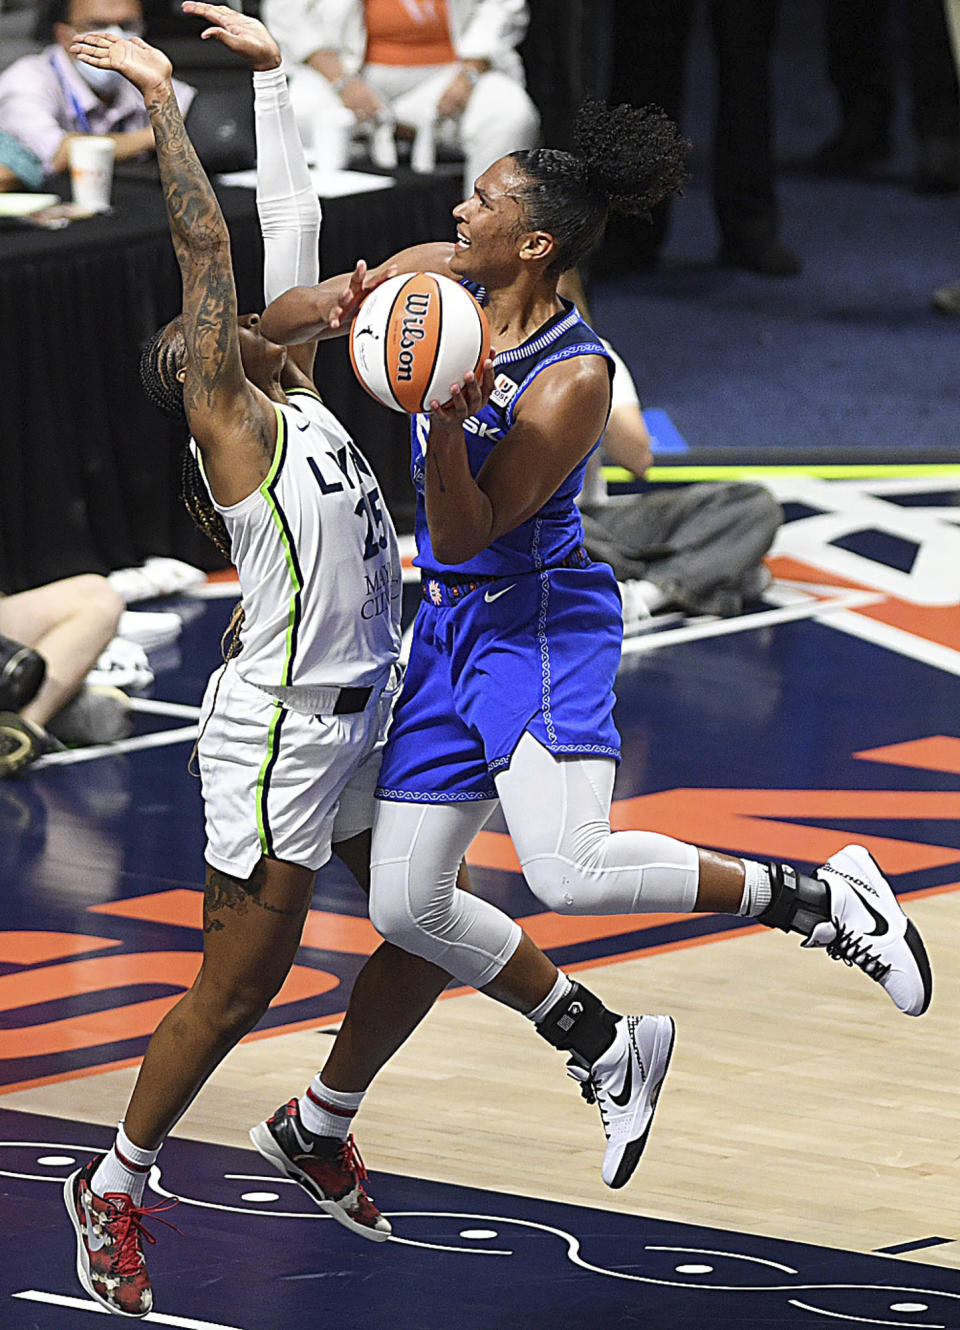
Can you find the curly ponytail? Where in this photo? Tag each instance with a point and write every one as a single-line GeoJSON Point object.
{"type": "Point", "coordinates": [626, 159]}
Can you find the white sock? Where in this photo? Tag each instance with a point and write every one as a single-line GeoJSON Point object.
{"type": "Point", "coordinates": [125, 1168]}
{"type": "Point", "coordinates": [757, 894]}
{"type": "Point", "coordinates": [648, 593]}
{"type": "Point", "coordinates": [326, 1112]}
{"type": "Point", "coordinates": [557, 993]}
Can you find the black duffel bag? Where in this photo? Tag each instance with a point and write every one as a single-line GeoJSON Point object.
{"type": "Point", "coordinates": [22, 671]}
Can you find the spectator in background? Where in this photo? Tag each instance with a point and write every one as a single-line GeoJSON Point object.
{"type": "Point", "coordinates": [698, 548]}
{"type": "Point", "coordinates": [19, 168]}
{"type": "Point", "coordinates": [49, 98]}
{"type": "Point", "coordinates": [650, 39]}
{"type": "Point", "coordinates": [452, 64]}
{"type": "Point", "coordinates": [68, 623]}
{"type": "Point", "coordinates": [860, 68]}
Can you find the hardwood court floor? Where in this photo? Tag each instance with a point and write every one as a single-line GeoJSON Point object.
{"type": "Point", "coordinates": [800, 1104]}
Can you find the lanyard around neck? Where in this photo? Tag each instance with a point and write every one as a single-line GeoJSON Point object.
{"type": "Point", "coordinates": [79, 114]}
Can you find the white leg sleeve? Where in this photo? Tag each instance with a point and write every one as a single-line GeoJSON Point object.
{"type": "Point", "coordinates": [414, 901]}
{"type": "Point", "coordinates": [558, 814]}
{"type": "Point", "coordinates": [287, 202]}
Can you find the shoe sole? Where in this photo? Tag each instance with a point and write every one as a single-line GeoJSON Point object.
{"type": "Point", "coordinates": [267, 1146]}
{"type": "Point", "coordinates": [83, 1260]}
{"type": "Point", "coordinates": [912, 936]}
{"type": "Point", "coordinates": [631, 1155]}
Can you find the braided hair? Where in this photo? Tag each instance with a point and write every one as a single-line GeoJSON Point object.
{"type": "Point", "coordinates": [161, 359]}
{"type": "Point", "coordinates": [626, 159]}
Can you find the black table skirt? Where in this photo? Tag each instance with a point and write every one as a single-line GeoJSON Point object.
{"type": "Point", "coordinates": [90, 471]}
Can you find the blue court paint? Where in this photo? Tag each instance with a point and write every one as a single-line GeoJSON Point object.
{"type": "Point", "coordinates": [664, 436]}
{"type": "Point", "coordinates": [461, 1257]}
{"type": "Point", "coordinates": [901, 1248]}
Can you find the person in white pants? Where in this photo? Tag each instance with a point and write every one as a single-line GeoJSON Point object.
{"type": "Point", "coordinates": [446, 67]}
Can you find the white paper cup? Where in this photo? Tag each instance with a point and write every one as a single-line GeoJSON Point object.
{"type": "Point", "coordinates": [91, 171]}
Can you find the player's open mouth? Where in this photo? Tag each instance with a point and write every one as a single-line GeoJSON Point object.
{"type": "Point", "coordinates": [462, 242]}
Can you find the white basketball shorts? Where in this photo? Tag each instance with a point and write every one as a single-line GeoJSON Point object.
{"type": "Point", "coordinates": [280, 783]}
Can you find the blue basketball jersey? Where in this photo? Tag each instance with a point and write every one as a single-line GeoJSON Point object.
{"type": "Point", "coordinates": [555, 531]}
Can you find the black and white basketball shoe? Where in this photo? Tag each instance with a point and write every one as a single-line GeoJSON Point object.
{"type": "Point", "coordinates": [625, 1084]}
{"type": "Point", "coordinates": [868, 929]}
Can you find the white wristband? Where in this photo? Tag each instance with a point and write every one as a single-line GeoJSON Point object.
{"type": "Point", "coordinates": [270, 78]}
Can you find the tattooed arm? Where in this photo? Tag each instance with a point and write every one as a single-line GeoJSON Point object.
{"type": "Point", "coordinates": [232, 421]}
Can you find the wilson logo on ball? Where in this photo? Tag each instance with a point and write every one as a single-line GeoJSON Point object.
{"type": "Point", "coordinates": [414, 336]}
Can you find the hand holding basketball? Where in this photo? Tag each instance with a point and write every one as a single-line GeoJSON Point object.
{"type": "Point", "coordinates": [361, 283]}
{"type": "Point", "coordinates": [465, 400]}
{"type": "Point", "coordinates": [414, 336]}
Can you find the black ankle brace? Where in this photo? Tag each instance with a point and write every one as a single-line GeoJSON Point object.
{"type": "Point", "coordinates": [581, 1024]}
{"type": "Point", "coordinates": [798, 902]}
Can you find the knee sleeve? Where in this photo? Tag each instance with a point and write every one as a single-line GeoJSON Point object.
{"type": "Point", "coordinates": [558, 812]}
{"type": "Point", "coordinates": [414, 899]}
{"type": "Point", "coordinates": [635, 872]}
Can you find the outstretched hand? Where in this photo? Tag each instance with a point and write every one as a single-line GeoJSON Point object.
{"type": "Point", "coordinates": [141, 64]}
{"type": "Point", "coordinates": [465, 400]}
{"type": "Point", "coordinates": [239, 32]}
{"type": "Point", "coordinates": [361, 283]}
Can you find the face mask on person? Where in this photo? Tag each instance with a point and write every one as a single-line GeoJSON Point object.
{"type": "Point", "coordinates": [104, 82]}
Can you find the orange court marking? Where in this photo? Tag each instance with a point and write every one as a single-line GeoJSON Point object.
{"type": "Point", "coordinates": [23, 947]}
{"type": "Point", "coordinates": [183, 908]}
{"type": "Point", "coordinates": [934, 623]}
{"type": "Point", "coordinates": [130, 1020]}
{"type": "Point", "coordinates": [334, 1018]}
{"type": "Point", "coordinates": [938, 752]}
{"type": "Point", "coordinates": [745, 821]}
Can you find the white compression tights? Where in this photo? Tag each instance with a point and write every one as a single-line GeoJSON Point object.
{"type": "Point", "coordinates": [558, 814]}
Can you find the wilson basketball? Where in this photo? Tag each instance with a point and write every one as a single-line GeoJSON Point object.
{"type": "Point", "coordinates": [415, 335]}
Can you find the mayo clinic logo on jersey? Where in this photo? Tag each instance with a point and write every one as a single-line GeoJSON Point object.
{"type": "Point", "coordinates": [379, 593]}
{"type": "Point", "coordinates": [504, 390]}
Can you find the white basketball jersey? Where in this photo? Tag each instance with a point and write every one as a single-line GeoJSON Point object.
{"type": "Point", "coordinates": [318, 562]}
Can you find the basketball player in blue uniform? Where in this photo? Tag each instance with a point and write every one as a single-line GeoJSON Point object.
{"type": "Point", "coordinates": [509, 692]}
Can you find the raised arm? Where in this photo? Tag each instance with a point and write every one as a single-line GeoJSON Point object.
{"type": "Point", "coordinates": [233, 423]}
{"type": "Point", "coordinates": [287, 203]}
{"type": "Point", "coordinates": [326, 310]}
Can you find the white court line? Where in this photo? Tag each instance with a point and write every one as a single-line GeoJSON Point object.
{"type": "Point", "coordinates": [864, 1320]}
{"type": "Point", "coordinates": [897, 640]}
{"type": "Point", "coordinates": [732, 1255]}
{"type": "Point", "coordinates": [216, 591]}
{"type": "Point", "coordinates": [152, 707]}
{"type": "Point", "coordinates": [154, 1318]}
{"type": "Point", "coordinates": [157, 740]}
{"type": "Point", "coordinates": [746, 622]}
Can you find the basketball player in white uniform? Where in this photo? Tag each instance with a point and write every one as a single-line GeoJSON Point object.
{"type": "Point", "coordinates": [292, 725]}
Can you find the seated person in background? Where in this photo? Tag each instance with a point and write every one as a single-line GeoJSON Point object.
{"type": "Point", "coordinates": [49, 98]}
{"type": "Point", "coordinates": [448, 63]}
{"type": "Point", "coordinates": [696, 547]}
{"type": "Point", "coordinates": [69, 623]}
{"type": "Point", "coordinates": [19, 168]}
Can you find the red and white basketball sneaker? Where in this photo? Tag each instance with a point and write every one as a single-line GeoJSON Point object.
{"type": "Point", "coordinates": [625, 1084]}
{"type": "Point", "coordinates": [329, 1170]}
{"type": "Point", "coordinates": [110, 1236]}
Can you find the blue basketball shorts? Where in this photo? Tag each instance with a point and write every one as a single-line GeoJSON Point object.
{"type": "Point", "coordinates": [536, 652]}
